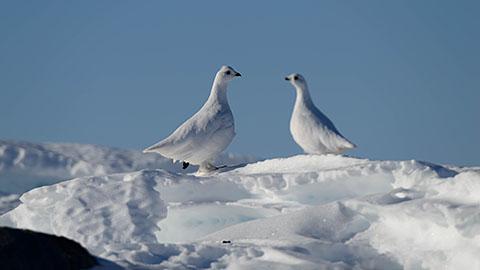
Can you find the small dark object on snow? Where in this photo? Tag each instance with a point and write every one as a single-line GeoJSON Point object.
{"type": "Point", "coordinates": [226, 242]}
{"type": "Point", "coordinates": [185, 165]}
{"type": "Point", "coordinates": [25, 249]}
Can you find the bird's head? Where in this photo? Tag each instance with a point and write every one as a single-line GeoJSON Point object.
{"type": "Point", "coordinates": [296, 80]}
{"type": "Point", "coordinates": [226, 73]}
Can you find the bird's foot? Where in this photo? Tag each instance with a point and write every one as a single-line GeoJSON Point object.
{"type": "Point", "coordinates": [206, 169]}
{"type": "Point", "coordinates": [209, 167]}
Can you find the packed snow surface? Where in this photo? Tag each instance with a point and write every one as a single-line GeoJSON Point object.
{"type": "Point", "coordinates": [301, 212]}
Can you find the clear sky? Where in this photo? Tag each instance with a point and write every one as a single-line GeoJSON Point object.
{"type": "Point", "coordinates": [401, 79]}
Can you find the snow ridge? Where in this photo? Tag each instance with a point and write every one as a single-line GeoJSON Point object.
{"type": "Point", "coordinates": [301, 212]}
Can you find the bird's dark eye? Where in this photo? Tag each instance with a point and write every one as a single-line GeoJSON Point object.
{"type": "Point", "coordinates": [295, 78]}
{"type": "Point", "coordinates": [228, 72]}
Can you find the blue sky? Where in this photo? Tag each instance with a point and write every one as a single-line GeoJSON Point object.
{"type": "Point", "coordinates": [398, 78]}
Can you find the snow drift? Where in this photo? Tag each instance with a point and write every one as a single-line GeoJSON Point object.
{"type": "Point", "coordinates": [302, 212]}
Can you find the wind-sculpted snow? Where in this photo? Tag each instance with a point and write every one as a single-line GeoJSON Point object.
{"type": "Point", "coordinates": [302, 212]}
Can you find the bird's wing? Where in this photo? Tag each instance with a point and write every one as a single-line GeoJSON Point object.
{"type": "Point", "coordinates": [183, 132]}
{"type": "Point", "coordinates": [192, 134]}
{"type": "Point", "coordinates": [327, 134]}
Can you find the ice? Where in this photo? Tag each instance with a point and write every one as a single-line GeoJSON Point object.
{"type": "Point", "coordinates": [300, 212]}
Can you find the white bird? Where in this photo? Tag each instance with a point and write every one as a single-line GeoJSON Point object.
{"type": "Point", "coordinates": [206, 134]}
{"type": "Point", "coordinates": [310, 128]}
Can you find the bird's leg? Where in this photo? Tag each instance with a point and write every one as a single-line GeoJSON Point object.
{"type": "Point", "coordinates": [185, 165]}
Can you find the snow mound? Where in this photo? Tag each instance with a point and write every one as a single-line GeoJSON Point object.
{"type": "Point", "coordinates": [111, 210]}
{"type": "Point", "coordinates": [302, 212]}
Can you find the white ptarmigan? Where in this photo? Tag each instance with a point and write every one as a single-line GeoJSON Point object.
{"type": "Point", "coordinates": [206, 134]}
{"type": "Point", "coordinates": [310, 128]}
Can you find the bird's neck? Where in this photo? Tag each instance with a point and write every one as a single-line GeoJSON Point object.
{"type": "Point", "coordinates": [218, 94]}
{"type": "Point", "coordinates": [303, 96]}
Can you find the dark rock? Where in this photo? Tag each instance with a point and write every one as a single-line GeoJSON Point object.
{"type": "Point", "coordinates": [24, 249]}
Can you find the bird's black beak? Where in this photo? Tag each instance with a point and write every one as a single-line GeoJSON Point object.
{"type": "Point", "coordinates": [238, 74]}
{"type": "Point", "coordinates": [287, 79]}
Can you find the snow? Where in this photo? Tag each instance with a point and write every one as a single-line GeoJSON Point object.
{"type": "Point", "coordinates": [26, 165]}
{"type": "Point", "coordinates": [300, 212]}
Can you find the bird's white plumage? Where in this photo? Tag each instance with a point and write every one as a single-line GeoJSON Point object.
{"type": "Point", "coordinates": [207, 133]}
{"type": "Point", "coordinates": [310, 128]}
